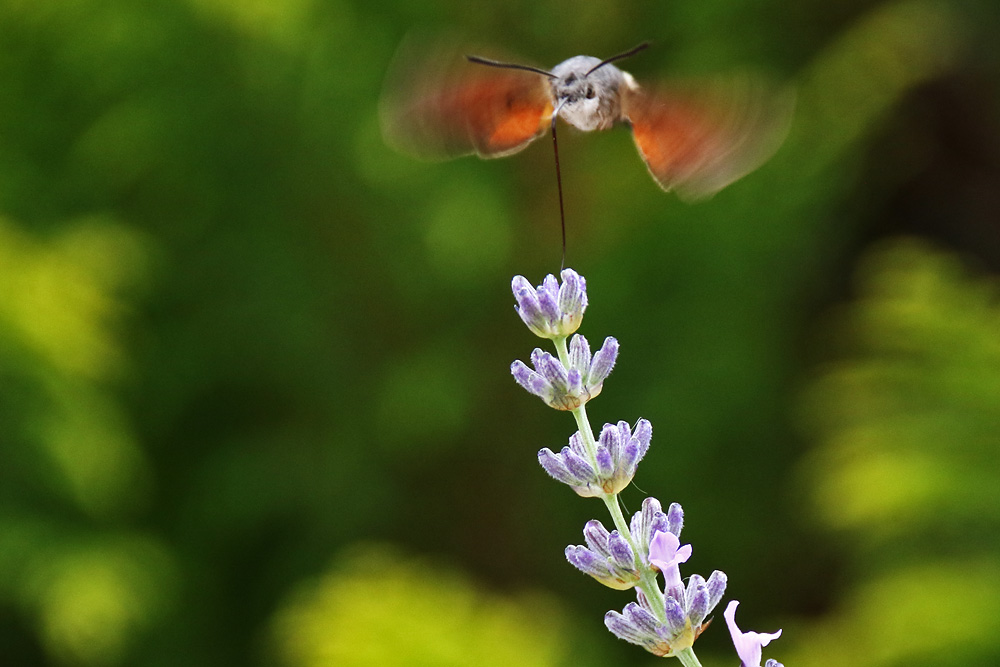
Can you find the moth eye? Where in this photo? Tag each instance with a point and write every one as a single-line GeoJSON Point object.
{"type": "Point", "coordinates": [590, 92]}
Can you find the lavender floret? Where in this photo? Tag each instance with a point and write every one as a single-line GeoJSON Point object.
{"type": "Point", "coordinates": [614, 463]}
{"type": "Point", "coordinates": [551, 310]}
{"type": "Point", "coordinates": [607, 557]}
{"type": "Point", "coordinates": [562, 387]}
{"type": "Point", "coordinates": [621, 552]}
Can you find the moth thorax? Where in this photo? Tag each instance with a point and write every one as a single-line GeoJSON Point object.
{"type": "Point", "coordinates": [588, 101]}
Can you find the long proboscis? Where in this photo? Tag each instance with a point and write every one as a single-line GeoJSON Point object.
{"type": "Point", "coordinates": [555, 142]}
{"type": "Point", "coordinates": [562, 210]}
{"type": "Point", "coordinates": [555, 114]}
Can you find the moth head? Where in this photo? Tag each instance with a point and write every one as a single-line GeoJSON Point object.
{"type": "Point", "coordinates": [582, 91]}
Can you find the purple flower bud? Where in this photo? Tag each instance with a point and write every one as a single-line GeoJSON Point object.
{"type": "Point", "coordinates": [642, 519]}
{"type": "Point", "coordinates": [605, 464]}
{"type": "Point", "coordinates": [596, 536]}
{"type": "Point", "coordinates": [611, 438]}
{"type": "Point", "coordinates": [576, 444]}
{"type": "Point", "coordinates": [697, 603]}
{"type": "Point", "coordinates": [576, 465]}
{"type": "Point", "coordinates": [640, 618]}
{"type": "Point", "coordinates": [643, 434]}
{"type": "Point", "coordinates": [675, 519]}
{"type": "Point", "coordinates": [676, 618]}
{"type": "Point", "coordinates": [550, 285]}
{"type": "Point", "coordinates": [622, 628]}
{"type": "Point", "coordinates": [771, 662]}
{"type": "Point", "coordinates": [529, 379]}
{"type": "Point", "coordinates": [659, 524]}
{"type": "Point", "coordinates": [694, 581]}
{"type": "Point", "coordinates": [629, 457]}
{"type": "Point", "coordinates": [519, 284]}
{"type": "Point", "coordinates": [621, 552]}
{"type": "Point", "coordinates": [643, 430]}
{"type": "Point", "coordinates": [549, 306]}
{"type": "Point", "coordinates": [573, 292]}
{"type": "Point", "coordinates": [527, 303]}
{"type": "Point", "coordinates": [579, 354]}
{"type": "Point", "coordinates": [551, 369]}
{"type": "Point", "coordinates": [604, 361]}
{"type": "Point", "coordinates": [554, 466]}
{"type": "Point", "coordinates": [574, 388]}
{"type": "Point", "coordinates": [587, 562]}
{"type": "Point", "coordinates": [716, 588]}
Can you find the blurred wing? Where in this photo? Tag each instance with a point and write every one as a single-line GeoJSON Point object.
{"type": "Point", "coordinates": [698, 143]}
{"type": "Point", "coordinates": [436, 104]}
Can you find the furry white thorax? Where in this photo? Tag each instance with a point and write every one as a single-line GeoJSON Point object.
{"type": "Point", "coordinates": [589, 101]}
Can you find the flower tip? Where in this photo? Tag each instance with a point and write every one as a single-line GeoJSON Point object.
{"type": "Point", "coordinates": [519, 283]}
{"type": "Point", "coordinates": [568, 273]}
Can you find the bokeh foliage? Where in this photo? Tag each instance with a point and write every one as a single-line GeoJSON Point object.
{"type": "Point", "coordinates": [905, 465]}
{"type": "Point", "coordinates": [241, 341]}
{"type": "Point", "coordinates": [377, 609]}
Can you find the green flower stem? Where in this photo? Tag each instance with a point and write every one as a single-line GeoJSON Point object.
{"type": "Point", "coordinates": [562, 350]}
{"type": "Point", "coordinates": [580, 413]}
{"type": "Point", "coordinates": [647, 575]}
{"type": "Point", "coordinates": [583, 425]}
{"type": "Point", "coordinates": [688, 658]}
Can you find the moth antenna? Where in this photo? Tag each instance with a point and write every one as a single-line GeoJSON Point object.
{"type": "Point", "coordinates": [497, 63]}
{"type": "Point", "coordinates": [621, 56]}
{"type": "Point", "coordinates": [562, 212]}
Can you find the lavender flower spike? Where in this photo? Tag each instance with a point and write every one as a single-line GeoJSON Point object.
{"type": "Point", "coordinates": [567, 388]}
{"type": "Point", "coordinates": [748, 644]}
{"type": "Point", "coordinates": [618, 451]}
{"type": "Point", "coordinates": [551, 310]}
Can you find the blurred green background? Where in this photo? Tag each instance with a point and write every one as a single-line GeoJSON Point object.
{"type": "Point", "coordinates": [255, 406]}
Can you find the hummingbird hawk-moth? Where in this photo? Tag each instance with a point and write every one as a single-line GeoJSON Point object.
{"type": "Point", "coordinates": [694, 139]}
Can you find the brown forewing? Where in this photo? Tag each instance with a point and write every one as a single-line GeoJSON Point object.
{"type": "Point", "coordinates": [440, 105]}
{"type": "Point", "coordinates": [697, 141]}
